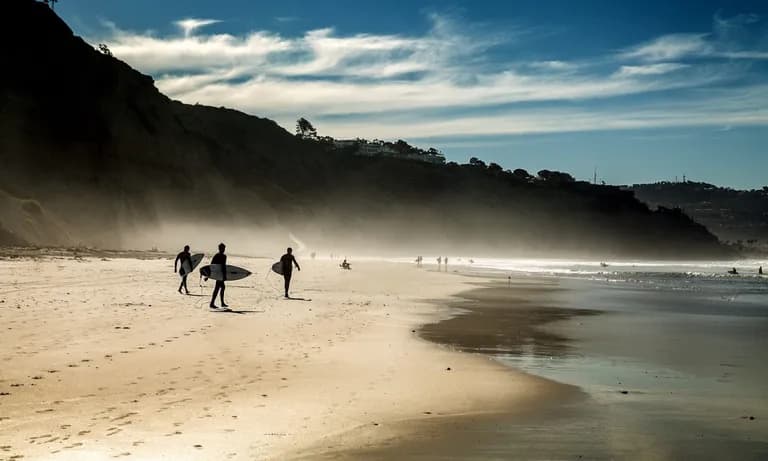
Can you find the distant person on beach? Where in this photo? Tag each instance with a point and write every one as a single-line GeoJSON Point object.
{"type": "Point", "coordinates": [180, 259]}
{"type": "Point", "coordinates": [287, 261]}
{"type": "Point", "coordinates": [345, 264]}
{"type": "Point", "coordinates": [760, 271]}
{"type": "Point", "coordinates": [733, 271]}
{"type": "Point", "coordinates": [446, 263]}
{"type": "Point", "coordinates": [439, 263]}
{"type": "Point", "coordinates": [221, 259]}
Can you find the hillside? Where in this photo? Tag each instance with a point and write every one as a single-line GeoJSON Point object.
{"type": "Point", "coordinates": [110, 161]}
{"type": "Point", "coordinates": [732, 215]}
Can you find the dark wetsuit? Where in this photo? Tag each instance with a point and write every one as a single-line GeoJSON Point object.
{"type": "Point", "coordinates": [287, 261]}
{"type": "Point", "coordinates": [180, 258]}
{"type": "Point", "coordinates": [219, 258]}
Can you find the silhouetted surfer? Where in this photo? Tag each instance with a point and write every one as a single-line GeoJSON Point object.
{"type": "Point", "coordinates": [180, 258]}
{"type": "Point", "coordinates": [221, 259]}
{"type": "Point", "coordinates": [287, 261]}
{"type": "Point", "coordinates": [760, 271]}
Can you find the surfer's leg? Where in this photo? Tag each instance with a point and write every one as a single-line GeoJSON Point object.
{"type": "Point", "coordinates": [215, 292]}
{"type": "Point", "coordinates": [222, 295]}
{"type": "Point", "coordinates": [287, 278]}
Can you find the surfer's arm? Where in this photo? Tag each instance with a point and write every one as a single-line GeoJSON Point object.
{"type": "Point", "coordinates": [175, 262]}
{"type": "Point", "coordinates": [296, 263]}
{"type": "Point", "coordinates": [224, 268]}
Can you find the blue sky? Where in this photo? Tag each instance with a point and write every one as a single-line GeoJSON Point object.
{"type": "Point", "coordinates": [642, 91]}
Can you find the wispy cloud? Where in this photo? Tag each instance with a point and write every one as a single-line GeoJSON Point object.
{"type": "Point", "coordinates": [714, 109]}
{"type": "Point", "coordinates": [188, 26]}
{"type": "Point", "coordinates": [670, 47]}
{"type": "Point", "coordinates": [650, 69]}
{"type": "Point", "coordinates": [447, 80]}
{"type": "Point", "coordinates": [738, 37]}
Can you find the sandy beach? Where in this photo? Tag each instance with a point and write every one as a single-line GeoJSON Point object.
{"type": "Point", "coordinates": [101, 357]}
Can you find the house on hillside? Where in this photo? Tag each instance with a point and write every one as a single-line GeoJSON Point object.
{"type": "Point", "coordinates": [340, 144]}
{"type": "Point", "coordinates": [365, 148]}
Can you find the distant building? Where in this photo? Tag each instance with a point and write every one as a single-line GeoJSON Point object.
{"type": "Point", "coordinates": [365, 148]}
{"type": "Point", "coordinates": [345, 143]}
{"type": "Point", "coordinates": [369, 149]}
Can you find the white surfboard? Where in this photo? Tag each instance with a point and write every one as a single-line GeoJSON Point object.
{"type": "Point", "coordinates": [185, 266]}
{"type": "Point", "coordinates": [213, 271]}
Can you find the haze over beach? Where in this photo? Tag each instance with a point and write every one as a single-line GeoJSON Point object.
{"type": "Point", "coordinates": [251, 230]}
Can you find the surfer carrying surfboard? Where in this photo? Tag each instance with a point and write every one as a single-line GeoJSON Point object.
{"type": "Point", "coordinates": [287, 261]}
{"type": "Point", "coordinates": [221, 259]}
{"type": "Point", "coordinates": [181, 258]}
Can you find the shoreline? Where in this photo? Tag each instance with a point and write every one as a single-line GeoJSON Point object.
{"type": "Point", "coordinates": [645, 396]}
{"type": "Point", "coordinates": [481, 317]}
{"type": "Point", "coordinates": [103, 358]}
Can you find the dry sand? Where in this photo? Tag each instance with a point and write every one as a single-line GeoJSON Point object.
{"type": "Point", "coordinates": [102, 358]}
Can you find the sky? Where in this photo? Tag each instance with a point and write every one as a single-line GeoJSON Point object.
{"type": "Point", "coordinates": [638, 91]}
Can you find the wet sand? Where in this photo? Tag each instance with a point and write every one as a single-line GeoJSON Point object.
{"type": "Point", "coordinates": [100, 357]}
{"type": "Point", "coordinates": [490, 318]}
{"type": "Point", "coordinates": [664, 375]}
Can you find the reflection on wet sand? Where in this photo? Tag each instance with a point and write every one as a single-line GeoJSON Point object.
{"type": "Point", "coordinates": [496, 319]}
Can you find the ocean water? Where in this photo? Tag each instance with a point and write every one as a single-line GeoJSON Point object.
{"type": "Point", "coordinates": [675, 365]}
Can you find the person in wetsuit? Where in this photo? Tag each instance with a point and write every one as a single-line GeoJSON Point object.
{"type": "Point", "coordinates": [287, 261]}
{"type": "Point", "coordinates": [221, 259]}
{"type": "Point", "coordinates": [180, 259]}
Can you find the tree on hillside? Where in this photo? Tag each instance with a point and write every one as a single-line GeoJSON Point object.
{"type": "Point", "coordinates": [304, 129]}
{"type": "Point", "coordinates": [555, 176]}
{"type": "Point", "coordinates": [474, 161]}
{"type": "Point", "coordinates": [403, 147]}
{"type": "Point", "coordinates": [522, 175]}
{"type": "Point", "coordinates": [105, 49]}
